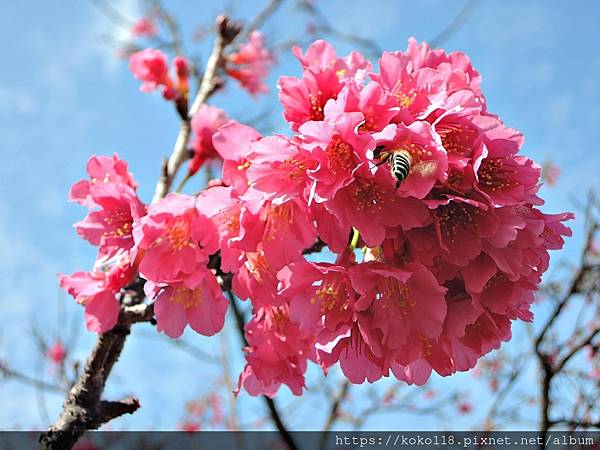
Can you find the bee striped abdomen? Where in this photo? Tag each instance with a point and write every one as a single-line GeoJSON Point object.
{"type": "Point", "coordinates": [400, 163]}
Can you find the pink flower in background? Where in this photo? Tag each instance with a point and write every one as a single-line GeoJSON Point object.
{"type": "Point", "coordinates": [174, 240]}
{"type": "Point", "coordinates": [550, 173]}
{"type": "Point", "coordinates": [465, 408]}
{"type": "Point", "coordinates": [152, 68]}
{"type": "Point", "coordinates": [144, 27]}
{"type": "Point", "coordinates": [57, 352]}
{"type": "Point", "coordinates": [205, 124]}
{"type": "Point", "coordinates": [182, 72]}
{"type": "Point", "coordinates": [189, 426]}
{"type": "Point", "coordinates": [197, 301]}
{"type": "Point", "coordinates": [251, 64]}
{"type": "Point", "coordinates": [96, 290]}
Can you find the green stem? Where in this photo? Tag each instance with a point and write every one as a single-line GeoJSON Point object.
{"type": "Point", "coordinates": [182, 184]}
{"type": "Point", "coordinates": [355, 238]}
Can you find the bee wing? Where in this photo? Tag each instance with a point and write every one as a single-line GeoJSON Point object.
{"type": "Point", "coordinates": [425, 168]}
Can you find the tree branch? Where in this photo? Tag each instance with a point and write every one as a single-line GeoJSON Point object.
{"type": "Point", "coordinates": [226, 32]}
{"type": "Point", "coordinates": [333, 413]}
{"type": "Point", "coordinates": [83, 409]}
{"type": "Point", "coordinates": [273, 411]}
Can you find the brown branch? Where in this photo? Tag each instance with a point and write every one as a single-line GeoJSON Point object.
{"type": "Point", "coordinates": [550, 369]}
{"type": "Point", "coordinates": [226, 32]}
{"type": "Point", "coordinates": [83, 409]}
{"type": "Point", "coordinates": [271, 405]}
{"type": "Point", "coordinates": [334, 413]}
{"type": "Point", "coordinates": [573, 351]}
{"type": "Point", "coordinates": [576, 423]}
{"type": "Point", "coordinates": [573, 287]}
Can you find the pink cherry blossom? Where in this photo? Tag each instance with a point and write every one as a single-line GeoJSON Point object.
{"type": "Point", "coordinates": [251, 64]}
{"type": "Point", "coordinates": [277, 354]}
{"type": "Point", "coordinates": [233, 143]}
{"type": "Point", "coordinates": [110, 227]}
{"type": "Point", "coordinates": [101, 170]}
{"type": "Point", "coordinates": [152, 68]}
{"type": "Point", "coordinates": [57, 352]}
{"type": "Point", "coordinates": [174, 240]}
{"type": "Point", "coordinates": [96, 290]}
{"type": "Point", "coordinates": [320, 294]}
{"type": "Point", "coordinates": [370, 205]}
{"type": "Point", "coordinates": [204, 124]}
{"type": "Point", "coordinates": [144, 27]}
{"type": "Point", "coordinates": [338, 152]}
{"type": "Point", "coordinates": [197, 301]}
{"type": "Point", "coordinates": [304, 99]}
{"type": "Point", "coordinates": [280, 168]}
{"type": "Point", "coordinates": [321, 56]}
{"type": "Point", "coordinates": [405, 301]}
{"type": "Point", "coordinates": [429, 160]}
{"type": "Point", "coordinates": [110, 195]}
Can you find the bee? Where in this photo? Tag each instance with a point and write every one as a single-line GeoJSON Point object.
{"type": "Point", "coordinates": [401, 163]}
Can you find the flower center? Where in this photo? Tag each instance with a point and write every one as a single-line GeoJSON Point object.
{"type": "Point", "coordinates": [496, 175]}
{"type": "Point", "coordinates": [405, 99]}
{"type": "Point", "coordinates": [396, 293]}
{"type": "Point", "coordinates": [178, 234]}
{"type": "Point", "coordinates": [187, 297]}
{"type": "Point", "coordinates": [119, 224]}
{"type": "Point", "coordinates": [279, 218]}
{"type": "Point", "coordinates": [454, 217]}
{"type": "Point", "coordinates": [259, 267]}
{"type": "Point", "coordinates": [316, 109]}
{"type": "Point", "coordinates": [295, 169]}
{"type": "Point", "coordinates": [340, 155]}
{"type": "Point", "coordinates": [329, 294]}
{"type": "Point", "coordinates": [457, 139]}
{"type": "Point", "coordinates": [366, 195]}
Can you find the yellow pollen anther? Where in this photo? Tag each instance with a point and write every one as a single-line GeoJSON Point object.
{"type": "Point", "coordinates": [178, 234]}
{"type": "Point", "coordinates": [187, 297]}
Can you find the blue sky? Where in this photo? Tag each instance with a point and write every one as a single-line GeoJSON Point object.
{"type": "Point", "coordinates": [65, 96]}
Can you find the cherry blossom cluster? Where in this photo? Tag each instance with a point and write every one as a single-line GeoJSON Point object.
{"type": "Point", "coordinates": [168, 243]}
{"type": "Point", "coordinates": [421, 274]}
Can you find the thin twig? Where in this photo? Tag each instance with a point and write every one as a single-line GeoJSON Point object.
{"type": "Point", "coordinates": [8, 372]}
{"type": "Point", "coordinates": [227, 31]}
{"type": "Point", "coordinates": [455, 25]}
{"type": "Point", "coordinates": [271, 405]}
{"type": "Point", "coordinates": [334, 413]}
